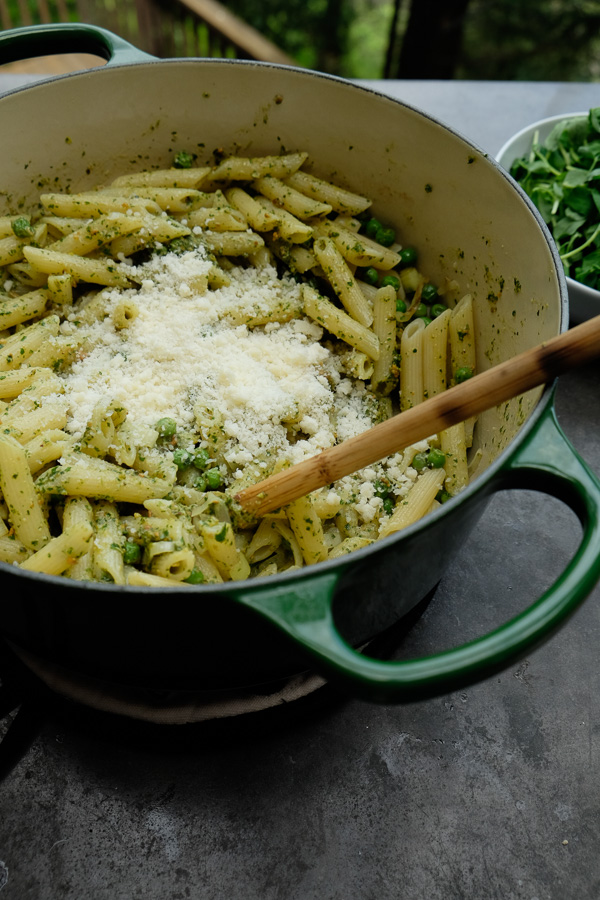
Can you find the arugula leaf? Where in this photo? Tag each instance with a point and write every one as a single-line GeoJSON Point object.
{"type": "Point", "coordinates": [561, 175]}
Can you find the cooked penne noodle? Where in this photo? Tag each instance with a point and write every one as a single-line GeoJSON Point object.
{"type": "Point", "coordinates": [46, 418]}
{"type": "Point", "coordinates": [411, 364]}
{"type": "Point", "coordinates": [175, 564]}
{"type": "Point", "coordinates": [462, 350]}
{"type": "Point", "coordinates": [289, 227]}
{"type": "Point", "coordinates": [232, 243]}
{"type": "Point", "coordinates": [218, 219]}
{"type": "Point", "coordinates": [94, 271]}
{"type": "Point", "coordinates": [258, 217]}
{"type": "Point", "coordinates": [171, 200]}
{"type": "Point", "coordinates": [220, 544]}
{"type": "Point", "coordinates": [340, 200]}
{"type": "Point", "coordinates": [21, 309]}
{"type": "Point", "coordinates": [107, 552]}
{"type": "Point", "coordinates": [56, 352]}
{"type": "Point", "coordinates": [339, 323]}
{"type": "Point", "coordinates": [240, 168]}
{"type": "Point", "coordinates": [358, 250]}
{"type": "Point", "coordinates": [14, 382]}
{"type": "Point", "coordinates": [78, 511]}
{"type": "Point", "coordinates": [435, 355]}
{"type": "Point", "coordinates": [30, 399]}
{"type": "Point", "coordinates": [342, 280]}
{"type": "Point", "coordinates": [46, 447]}
{"type": "Point", "coordinates": [61, 552]}
{"type": "Point", "coordinates": [85, 476]}
{"type": "Point", "coordinates": [417, 502]}
{"type": "Point", "coordinates": [60, 289]}
{"type": "Point", "coordinates": [281, 194]}
{"type": "Point", "coordinates": [124, 314]}
{"type": "Point", "coordinates": [19, 347]}
{"type": "Point", "coordinates": [20, 496]}
{"type": "Point", "coordinates": [384, 326]}
{"type": "Point", "coordinates": [453, 443]}
{"type": "Point", "coordinates": [308, 529]}
{"type": "Point", "coordinates": [163, 178]}
{"type": "Point", "coordinates": [12, 550]}
{"type": "Point", "coordinates": [94, 203]}
{"type": "Point", "coordinates": [299, 259]}
{"type": "Point", "coordinates": [146, 579]}
{"type": "Point", "coordinates": [11, 249]}
{"type": "Point", "coordinates": [154, 229]}
{"type": "Point", "coordinates": [462, 336]}
{"type": "Point", "coordinates": [96, 233]}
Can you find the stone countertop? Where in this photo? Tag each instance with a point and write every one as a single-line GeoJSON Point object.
{"type": "Point", "coordinates": [490, 792]}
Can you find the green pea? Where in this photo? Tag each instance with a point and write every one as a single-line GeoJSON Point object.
{"type": "Point", "coordinates": [132, 553]}
{"type": "Point", "coordinates": [392, 280]}
{"type": "Point", "coordinates": [421, 311]}
{"type": "Point", "coordinates": [201, 458]}
{"type": "Point", "coordinates": [200, 483]}
{"type": "Point", "coordinates": [408, 256]}
{"type": "Point", "coordinates": [463, 374]}
{"type": "Point", "coordinates": [429, 292]}
{"type": "Point", "coordinates": [372, 227]}
{"type": "Point", "coordinates": [419, 461]}
{"type": "Point", "coordinates": [370, 275]}
{"type": "Point", "coordinates": [166, 427]}
{"type": "Point", "coordinates": [426, 320]}
{"type": "Point", "coordinates": [437, 309]}
{"type": "Point", "coordinates": [381, 489]}
{"type": "Point", "coordinates": [195, 577]}
{"type": "Point", "coordinates": [436, 458]}
{"type": "Point", "coordinates": [400, 305]}
{"type": "Point", "coordinates": [388, 505]}
{"type": "Point", "coordinates": [213, 478]}
{"type": "Point", "coordinates": [182, 458]}
{"type": "Point", "coordinates": [385, 236]}
{"type": "Point", "coordinates": [443, 496]}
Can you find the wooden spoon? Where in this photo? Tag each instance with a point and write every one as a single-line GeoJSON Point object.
{"type": "Point", "coordinates": [502, 382]}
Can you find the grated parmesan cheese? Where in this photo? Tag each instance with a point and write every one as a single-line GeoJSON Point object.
{"type": "Point", "coordinates": [181, 350]}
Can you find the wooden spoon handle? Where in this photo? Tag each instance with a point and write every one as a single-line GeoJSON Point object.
{"type": "Point", "coordinates": [502, 382]}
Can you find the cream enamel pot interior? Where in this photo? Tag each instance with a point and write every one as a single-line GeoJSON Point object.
{"type": "Point", "coordinates": [470, 222]}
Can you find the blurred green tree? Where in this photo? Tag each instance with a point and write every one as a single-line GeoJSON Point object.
{"type": "Point", "coordinates": [314, 32]}
{"type": "Point", "coordinates": [540, 40]}
{"type": "Point", "coordinates": [546, 40]}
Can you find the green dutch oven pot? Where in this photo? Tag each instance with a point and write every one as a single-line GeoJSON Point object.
{"type": "Point", "coordinates": [472, 224]}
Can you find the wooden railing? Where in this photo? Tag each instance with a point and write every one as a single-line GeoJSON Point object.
{"type": "Point", "coordinates": [164, 28]}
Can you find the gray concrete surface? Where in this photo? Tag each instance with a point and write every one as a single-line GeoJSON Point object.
{"type": "Point", "coordinates": [490, 792]}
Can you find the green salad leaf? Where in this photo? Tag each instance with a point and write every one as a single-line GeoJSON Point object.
{"type": "Point", "coordinates": [561, 175]}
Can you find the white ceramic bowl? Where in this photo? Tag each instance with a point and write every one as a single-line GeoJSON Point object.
{"type": "Point", "coordinates": [584, 302]}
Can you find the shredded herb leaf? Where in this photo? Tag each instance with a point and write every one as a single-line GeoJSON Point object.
{"type": "Point", "coordinates": [561, 175]}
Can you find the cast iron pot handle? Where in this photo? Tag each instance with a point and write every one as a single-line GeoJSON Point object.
{"type": "Point", "coordinates": [545, 461]}
{"type": "Point", "coordinates": [70, 37]}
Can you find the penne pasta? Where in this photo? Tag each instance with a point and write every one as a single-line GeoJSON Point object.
{"type": "Point", "coordinates": [180, 333]}
{"type": "Point", "coordinates": [61, 552]}
{"type": "Point", "coordinates": [20, 496]}
{"type": "Point", "coordinates": [342, 280]}
{"type": "Point", "coordinates": [384, 326]}
{"type": "Point", "coordinates": [340, 323]}
{"type": "Point", "coordinates": [411, 364]}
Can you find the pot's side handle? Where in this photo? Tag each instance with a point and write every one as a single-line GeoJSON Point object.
{"type": "Point", "coordinates": [545, 462]}
{"type": "Point", "coordinates": [67, 37]}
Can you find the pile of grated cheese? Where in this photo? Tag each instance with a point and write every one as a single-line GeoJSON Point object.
{"type": "Point", "coordinates": [280, 393]}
